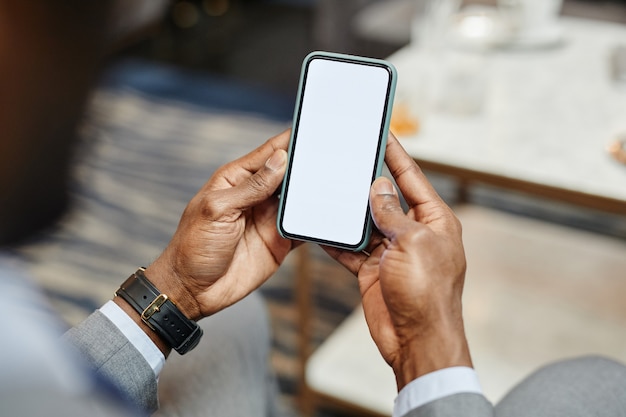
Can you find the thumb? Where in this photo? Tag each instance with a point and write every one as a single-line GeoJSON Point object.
{"type": "Point", "coordinates": [262, 184]}
{"type": "Point", "coordinates": [386, 209]}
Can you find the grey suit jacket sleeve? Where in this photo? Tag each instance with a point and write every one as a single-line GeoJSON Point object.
{"type": "Point", "coordinates": [458, 405]}
{"type": "Point", "coordinates": [112, 355]}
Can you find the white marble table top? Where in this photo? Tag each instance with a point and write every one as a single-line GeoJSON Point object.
{"type": "Point", "coordinates": [547, 114]}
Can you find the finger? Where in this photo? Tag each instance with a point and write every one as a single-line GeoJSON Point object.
{"type": "Point", "coordinates": [386, 209]}
{"type": "Point", "coordinates": [259, 186]}
{"type": "Point", "coordinates": [239, 170]}
{"type": "Point", "coordinates": [375, 240]}
{"type": "Point", "coordinates": [257, 158]}
{"type": "Point", "coordinates": [352, 261]}
{"type": "Point", "coordinates": [414, 185]}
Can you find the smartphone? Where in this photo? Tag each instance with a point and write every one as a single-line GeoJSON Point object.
{"type": "Point", "coordinates": [338, 139]}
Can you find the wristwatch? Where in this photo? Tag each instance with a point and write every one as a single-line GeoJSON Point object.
{"type": "Point", "coordinates": [160, 313]}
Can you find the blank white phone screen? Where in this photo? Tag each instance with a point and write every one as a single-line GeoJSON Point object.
{"type": "Point", "coordinates": [335, 150]}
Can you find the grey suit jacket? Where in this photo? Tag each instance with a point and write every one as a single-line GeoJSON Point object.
{"type": "Point", "coordinates": [111, 354]}
{"type": "Point", "coordinates": [578, 387]}
{"type": "Point", "coordinates": [459, 405]}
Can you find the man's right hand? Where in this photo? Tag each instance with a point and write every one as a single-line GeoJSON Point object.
{"type": "Point", "coordinates": [412, 281]}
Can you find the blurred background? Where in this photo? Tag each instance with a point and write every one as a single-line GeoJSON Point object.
{"type": "Point", "coordinates": [264, 40]}
{"type": "Point", "coordinates": [261, 44]}
{"type": "Point", "coordinates": [189, 85]}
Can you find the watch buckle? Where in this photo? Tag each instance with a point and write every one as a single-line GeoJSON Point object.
{"type": "Point", "coordinates": [153, 307]}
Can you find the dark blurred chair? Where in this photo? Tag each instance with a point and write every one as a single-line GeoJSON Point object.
{"type": "Point", "coordinates": [50, 53]}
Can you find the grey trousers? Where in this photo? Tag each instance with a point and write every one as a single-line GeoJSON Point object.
{"type": "Point", "coordinates": [228, 373]}
{"type": "Point", "coordinates": [587, 387]}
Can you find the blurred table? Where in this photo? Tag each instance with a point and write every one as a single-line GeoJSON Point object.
{"type": "Point", "coordinates": [547, 118]}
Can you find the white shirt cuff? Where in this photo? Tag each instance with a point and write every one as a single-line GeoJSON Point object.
{"type": "Point", "coordinates": [434, 386]}
{"type": "Point", "coordinates": [135, 335]}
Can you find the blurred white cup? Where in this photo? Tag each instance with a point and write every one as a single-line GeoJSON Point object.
{"type": "Point", "coordinates": [531, 18]}
{"type": "Point", "coordinates": [431, 22]}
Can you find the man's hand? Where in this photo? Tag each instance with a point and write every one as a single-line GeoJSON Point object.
{"type": "Point", "coordinates": [412, 281]}
{"type": "Point", "coordinates": [226, 244]}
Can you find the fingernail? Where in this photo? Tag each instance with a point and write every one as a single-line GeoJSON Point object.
{"type": "Point", "coordinates": [276, 161]}
{"type": "Point", "coordinates": [383, 186]}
